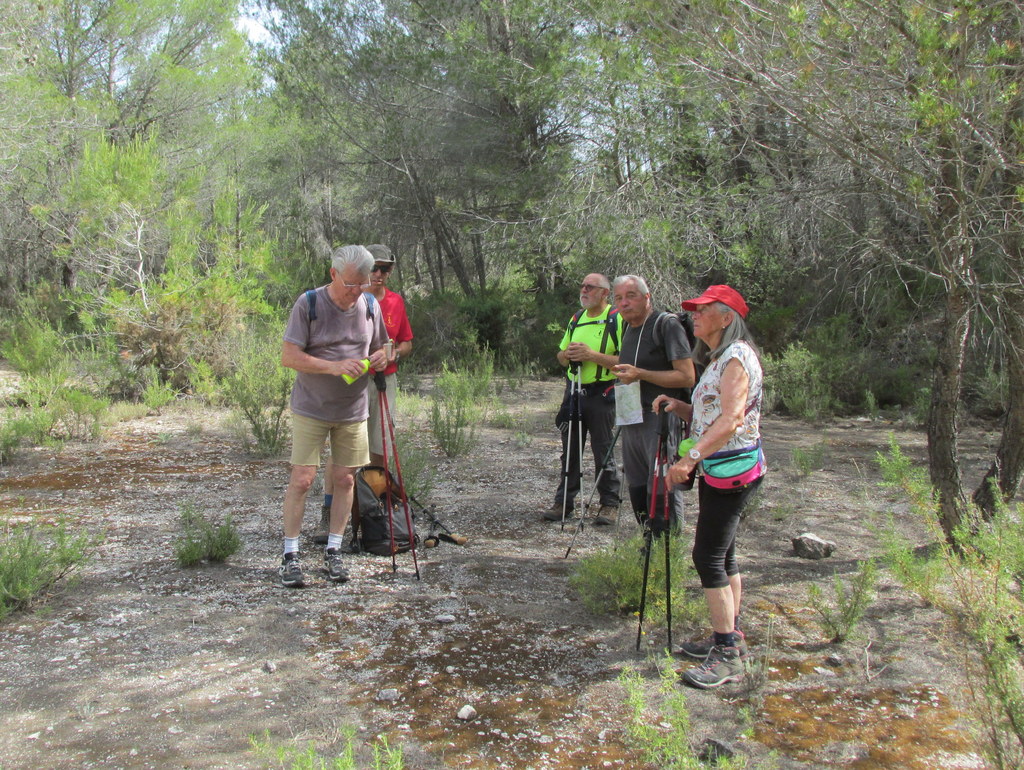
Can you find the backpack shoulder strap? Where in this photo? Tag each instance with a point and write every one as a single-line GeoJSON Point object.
{"type": "Point", "coordinates": [371, 305]}
{"type": "Point", "coordinates": [311, 301]}
{"type": "Point", "coordinates": [575, 321]}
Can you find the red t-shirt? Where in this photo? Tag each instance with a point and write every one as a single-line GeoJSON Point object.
{"type": "Point", "coordinates": [395, 321]}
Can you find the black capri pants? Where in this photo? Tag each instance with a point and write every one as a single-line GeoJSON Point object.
{"type": "Point", "coordinates": [714, 541]}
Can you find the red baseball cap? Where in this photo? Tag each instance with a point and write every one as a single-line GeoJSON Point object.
{"type": "Point", "coordinates": [727, 295]}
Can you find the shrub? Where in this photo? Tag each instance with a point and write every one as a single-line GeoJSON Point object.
{"type": "Point", "coordinates": [799, 381]}
{"type": "Point", "coordinates": [806, 460]}
{"type": "Point", "coordinates": [31, 565]}
{"type": "Point", "coordinates": [456, 410]}
{"type": "Point", "coordinates": [80, 414]}
{"type": "Point", "coordinates": [975, 582]}
{"type": "Point", "coordinates": [32, 346]}
{"type": "Point", "coordinates": [259, 390]}
{"type": "Point", "coordinates": [157, 394]}
{"type": "Point", "coordinates": [840, 613]}
{"type": "Point", "coordinates": [202, 540]}
{"type": "Point", "coordinates": [419, 471]}
{"type": "Point", "coordinates": [610, 581]}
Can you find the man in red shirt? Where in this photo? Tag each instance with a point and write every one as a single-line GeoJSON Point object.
{"type": "Point", "coordinates": [400, 333]}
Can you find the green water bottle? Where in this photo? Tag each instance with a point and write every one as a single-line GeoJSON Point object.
{"type": "Point", "coordinates": [366, 367]}
{"type": "Point", "coordinates": [684, 447]}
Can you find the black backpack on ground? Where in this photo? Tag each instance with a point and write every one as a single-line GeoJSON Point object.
{"type": "Point", "coordinates": [373, 531]}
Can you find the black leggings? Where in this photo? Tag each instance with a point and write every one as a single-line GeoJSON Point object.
{"type": "Point", "coordinates": [714, 541]}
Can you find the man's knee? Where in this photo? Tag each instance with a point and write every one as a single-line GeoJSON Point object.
{"type": "Point", "coordinates": [302, 478]}
{"type": "Point", "coordinates": [344, 478]}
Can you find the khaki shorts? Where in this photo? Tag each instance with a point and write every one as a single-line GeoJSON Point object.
{"type": "Point", "coordinates": [348, 441]}
{"type": "Point", "coordinates": [373, 424]}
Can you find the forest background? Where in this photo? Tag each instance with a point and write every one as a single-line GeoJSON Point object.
{"type": "Point", "coordinates": [170, 184]}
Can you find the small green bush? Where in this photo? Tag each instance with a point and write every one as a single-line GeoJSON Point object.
{"type": "Point", "coordinates": [80, 414]}
{"type": "Point", "coordinates": [806, 460]}
{"type": "Point", "coordinates": [259, 390]}
{"type": "Point", "coordinates": [32, 346]}
{"type": "Point", "coordinates": [799, 381]}
{"type": "Point", "coordinates": [609, 581]}
{"type": "Point", "coordinates": [419, 470]}
{"type": "Point", "coordinates": [456, 409]}
{"type": "Point", "coordinates": [840, 613]}
{"type": "Point", "coordinates": [660, 728]}
{"type": "Point", "coordinates": [157, 394]}
{"type": "Point", "coordinates": [32, 563]}
{"type": "Point", "coordinates": [202, 540]}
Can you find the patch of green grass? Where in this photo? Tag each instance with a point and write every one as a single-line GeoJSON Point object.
{"type": "Point", "coordinates": [291, 757]}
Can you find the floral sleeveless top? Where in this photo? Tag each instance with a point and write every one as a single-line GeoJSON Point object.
{"type": "Point", "coordinates": [707, 403]}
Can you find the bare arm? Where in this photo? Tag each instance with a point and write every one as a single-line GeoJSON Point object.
{"type": "Point", "coordinates": [735, 385]}
{"type": "Point", "coordinates": [294, 357]}
{"type": "Point", "coordinates": [681, 375]}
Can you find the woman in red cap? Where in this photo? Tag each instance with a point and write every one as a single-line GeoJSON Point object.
{"type": "Point", "coordinates": [725, 419]}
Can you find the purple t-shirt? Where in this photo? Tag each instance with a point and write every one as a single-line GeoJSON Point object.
{"type": "Point", "coordinates": [335, 335]}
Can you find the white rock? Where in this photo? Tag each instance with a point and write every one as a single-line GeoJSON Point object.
{"type": "Point", "coordinates": [389, 695]}
{"type": "Point", "coordinates": [467, 713]}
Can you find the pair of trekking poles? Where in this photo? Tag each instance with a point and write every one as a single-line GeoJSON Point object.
{"type": "Point", "coordinates": [659, 495]}
{"type": "Point", "coordinates": [387, 429]}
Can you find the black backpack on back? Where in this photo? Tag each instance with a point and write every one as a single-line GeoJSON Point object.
{"type": "Point", "coordinates": [373, 530]}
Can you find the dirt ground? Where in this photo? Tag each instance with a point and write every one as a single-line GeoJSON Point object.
{"type": "Point", "coordinates": [144, 664]}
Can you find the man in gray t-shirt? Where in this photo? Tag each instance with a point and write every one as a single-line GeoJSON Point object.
{"type": "Point", "coordinates": [655, 353]}
{"type": "Point", "coordinates": [333, 336]}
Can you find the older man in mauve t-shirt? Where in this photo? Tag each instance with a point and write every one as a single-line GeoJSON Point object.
{"type": "Point", "coordinates": [333, 337]}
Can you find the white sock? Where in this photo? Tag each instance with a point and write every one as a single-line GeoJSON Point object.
{"type": "Point", "coordinates": [291, 545]}
{"type": "Point", "coordinates": [333, 541]}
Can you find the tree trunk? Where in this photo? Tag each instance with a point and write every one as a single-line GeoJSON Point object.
{"type": "Point", "coordinates": [1007, 468]}
{"type": "Point", "coordinates": [943, 416]}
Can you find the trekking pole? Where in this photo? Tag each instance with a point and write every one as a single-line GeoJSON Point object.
{"type": "Point", "coordinates": [643, 588]}
{"type": "Point", "coordinates": [386, 416]}
{"type": "Point", "coordinates": [657, 495]}
{"type": "Point", "coordinates": [575, 421]}
{"type": "Point", "coordinates": [590, 499]}
{"type": "Point", "coordinates": [662, 471]}
{"type": "Point", "coordinates": [381, 384]}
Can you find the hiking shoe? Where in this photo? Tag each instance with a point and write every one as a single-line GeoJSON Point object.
{"type": "Point", "coordinates": [607, 515]}
{"type": "Point", "coordinates": [320, 538]}
{"type": "Point", "coordinates": [290, 571]}
{"type": "Point", "coordinates": [332, 566]}
{"type": "Point", "coordinates": [723, 664]}
{"type": "Point", "coordinates": [701, 648]}
{"type": "Point", "coordinates": [554, 513]}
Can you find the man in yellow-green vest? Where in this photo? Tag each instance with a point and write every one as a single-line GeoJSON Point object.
{"type": "Point", "coordinates": [589, 349]}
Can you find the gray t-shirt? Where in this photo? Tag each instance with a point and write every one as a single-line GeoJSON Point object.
{"type": "Point", "coordinates": [654, 346]}
{"type": "Point", "coordinates": [335, 335]}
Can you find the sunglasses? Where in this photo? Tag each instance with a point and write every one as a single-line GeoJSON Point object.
{"type": "Point", "coordinates": [589, 287]}
{"type": "Point", "coordinates": [382, 268]}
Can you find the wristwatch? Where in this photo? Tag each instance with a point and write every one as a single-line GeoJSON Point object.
{"type": "Point", "coordinates": [694, 454]}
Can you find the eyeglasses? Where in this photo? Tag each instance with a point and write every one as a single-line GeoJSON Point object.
{"type": "Point", "coordinates": [589, 287]}
{"type": "Point", "coordinates": [382, 268]}
{"type": "Point", "coordinates": [702, 308]}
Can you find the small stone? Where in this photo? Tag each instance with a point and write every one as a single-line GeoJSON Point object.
{"type": "Point", "coordinates": [834, 660]}
{"type": "Point", "coordinates": [270, 667]}
{"type": "Point", "coordinates": [389, 695]}
{"type": "Point", "coordinates": [810, 546]}
{"type": "Point", "coordinates": [445, 618]}
{"type": "Point", "coordinates": [467, 713]}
